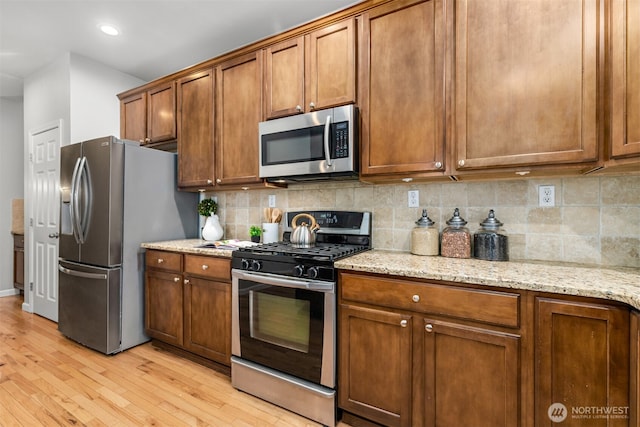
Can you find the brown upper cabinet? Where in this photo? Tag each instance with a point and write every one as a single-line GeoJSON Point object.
{"type": "Point", "coordinates": [312, 71]}
{"type": "Point", "coordinates": [625, 81]}
{"type": "Point", "coordinates": [239, 110]}
{"type": "Point", "coordinates": [401, 89]}
{"type": "Point", "coordinates": [196, 131]}
{"type": "Point", "coordinates": [525, 78]}
{"type": "Point", "coordinates": [150, 116]}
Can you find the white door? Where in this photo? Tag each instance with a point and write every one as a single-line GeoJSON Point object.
{"type": "Point", "coordinates": [45, 212]}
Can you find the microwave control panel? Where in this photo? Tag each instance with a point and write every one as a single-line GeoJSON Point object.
{"type": "Point", "coordinates": [340, 147]}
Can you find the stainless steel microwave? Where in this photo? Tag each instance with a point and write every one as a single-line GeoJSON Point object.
{"type": "Point", "coordinates": [313, 146]}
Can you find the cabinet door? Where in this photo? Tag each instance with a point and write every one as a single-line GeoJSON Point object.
{"type": "Point", "coordinates": [207, 317]}
{"type": "Point", "coordinates": [239, 110]}
{"type": "Point", "coordinates": [374, 372]}
{"type": "Point", "coordinates": [525, 82]}
{"type": "Point", "coordinates": [161, 113]}
{"type": "Point", "coordinates": [471, 376]}
{"type": "Point", "coordinates": [582, 361]}
{"type": "Point", "coordinates": [284, 78]}
{"type": "Point", "coordinates": [625, 85]}
{"type": "Point", "coordinates": [401, 88]}
{"type": "Point", "coordinates": [133, 117]}
{"type": "Point", "coordinates": [635, 370]}
{"type": "Point", "coordinates": [18, 262]}
{"type": "Point", "coordinates": [163, 306]}
{"type": "Point", "coordinates": [195, 130]}
{"type": "Point", "coordinates": [330, 73]}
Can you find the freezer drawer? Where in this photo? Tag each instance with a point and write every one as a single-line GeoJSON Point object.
{"type": "Point", "coordinates": [90, 305]}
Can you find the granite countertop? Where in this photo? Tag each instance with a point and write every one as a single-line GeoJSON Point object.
{"type": "Point", "coordinates": [621, 284]}
{"type": "Point", "coordinates": [189, 246]}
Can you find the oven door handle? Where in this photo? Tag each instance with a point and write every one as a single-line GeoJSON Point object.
{"type": "Point", "coordinates": [273, 280]}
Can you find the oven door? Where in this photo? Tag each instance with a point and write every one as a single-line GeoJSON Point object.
{"type": "Point", "coordinates": [285, 324]}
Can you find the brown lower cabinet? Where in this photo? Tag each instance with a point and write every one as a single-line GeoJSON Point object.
{"type": "Point", "coordinates": [417, 353]}
{"type": "Point", "coordinates": [18, 261]}
{"type": "Point", "coordinates": [188, 303]}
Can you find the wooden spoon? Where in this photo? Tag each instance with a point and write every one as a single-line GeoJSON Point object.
{"type": "Point", "coordinates": [276, 215]}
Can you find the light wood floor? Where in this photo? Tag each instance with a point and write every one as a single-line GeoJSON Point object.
{"type": "Point", "coordinates": [49, 380]}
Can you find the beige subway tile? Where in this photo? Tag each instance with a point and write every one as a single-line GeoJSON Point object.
{"type": "Point", "coordinates": [383, 239]}
{"type": "Point", "coordinates": [345, 199]}
{"type": "Point", "coordinates": [544, 247]}
{"type": "Point", "coordinates": [581, 249]}
{"type": "Point", "coordinates": [481, 193]}
{"type": "Point", "coordinates": [544, 221]}
{"type": "Point", "coordinates": [583, 221]}
{"type": "Point", "coordinates": [620, 221]}
{"type": "Point", "coordinates": [581, 191]}
{"type": "Point", "coordinates": [517, 246]}
{"type": "Point", "coordinates": [620, 190]}
{"type": "Point", "coordinates": [512, 193]}
{"type": "Point", "coordinates": [401, 240]}
{"type": "Point", "coordinates": [620, 251]}
{"type": "Point", "coordinates": [364, 199]}
{"type": "Point", "coordinates": [454, 194]}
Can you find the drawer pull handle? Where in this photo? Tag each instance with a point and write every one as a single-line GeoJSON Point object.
{"type": "Point", "coordinates": [186, 281]}
{"type": "Point", "coordinates": [428, 327]}
{"type": "Point", "coordinates": [160, 260]}
{"type": "Point", "coordinates": [416, 298]}
{"type": "Point", "coordinates": [176, 279]}
{"type": "Point", "coordinates": [205, 267]}
{"type": "Point", "coordinates": [403, 323]}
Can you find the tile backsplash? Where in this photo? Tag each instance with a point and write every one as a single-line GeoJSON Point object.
{"type": "Point", "coordinates": [595, 220]}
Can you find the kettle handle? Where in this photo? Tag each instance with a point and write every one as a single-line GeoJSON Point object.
{"type": "Point", "coordinates": [313, 225]}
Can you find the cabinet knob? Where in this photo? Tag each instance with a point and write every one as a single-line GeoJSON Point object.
{"type": "Point", "coordinates": [186, 281]}
{"type": "Point", "coordinates": [205, 267]}
{"type": "Point", "coordinates": [176, 279]}
{"type": "Point", "coordinates": [209, 181]}
{"type": "Point", "coordinates": [312, 105]}
{"type": "Point", "coordinates": [298, 108]}
{"type": "Point", "coordinates": [460, 163]}
{"type": "Point", "coordinates": [438, 165]}
{"type": "Point", "coordinates": [160, 260]}
{"type": "Point", "coordinates": [218, 180]}
{"type": "Point", "coordinates": [403, 323]}
{"type": "Point", "coordinates": [416, 298]}
{"type": "Point", "coordinates": [147, 140]}
{"type": "Point", "coordinates": [428, 327]}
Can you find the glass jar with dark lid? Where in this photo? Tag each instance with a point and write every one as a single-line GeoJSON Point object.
{"type": "Point", "coordinates": [490, 242]}
{"type": "Point", "coordinates": [456, 239]}
{"type": "Point", "coordinates": [425, 237]}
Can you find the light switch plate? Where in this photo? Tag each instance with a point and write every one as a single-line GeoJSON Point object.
{"type": "Point", "coordinates": [546, 196]}
{"type": "Point", "coordinates": [272, 200]}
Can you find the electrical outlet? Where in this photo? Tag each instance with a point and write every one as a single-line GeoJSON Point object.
{"type": "Point", "coordinates": [272, 200]}
{"type": "Point", "coordinates": [414, 198]}
{"type": "Point", "coordinates": [546, 196]}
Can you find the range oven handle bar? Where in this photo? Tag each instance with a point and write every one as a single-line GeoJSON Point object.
{"type": "Point", "coordinates": [273, 280]}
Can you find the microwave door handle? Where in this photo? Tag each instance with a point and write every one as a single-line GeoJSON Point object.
{"type": "Point", "coordinates": [327, 133]}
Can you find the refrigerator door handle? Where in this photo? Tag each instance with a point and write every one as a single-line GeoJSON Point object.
{"type": "Point", "coordinates": [84, 180]}
{"type": "Point", "coordinates": [82, 273]}
{"type": "Point", "coordinates": [74, 212]}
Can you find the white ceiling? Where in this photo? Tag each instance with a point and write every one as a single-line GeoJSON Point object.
{"type": "Point", "coordinates": [157, 37]}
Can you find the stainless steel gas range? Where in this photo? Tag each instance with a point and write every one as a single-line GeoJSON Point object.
{"type": "Point", "coordinates": [284, 314]}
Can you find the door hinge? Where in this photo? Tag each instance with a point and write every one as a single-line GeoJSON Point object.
{"type": "Point", "coordinates": [31, 157]}
{"type": "Point", "coordinates": [31, 286]}
{"type": "Point", "coordinates": [30, 222]}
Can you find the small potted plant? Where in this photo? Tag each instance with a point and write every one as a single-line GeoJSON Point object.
{"type": "Point", "coordinates": [212, 229]}
{"type": "Point", "coordinates": [255, 232]}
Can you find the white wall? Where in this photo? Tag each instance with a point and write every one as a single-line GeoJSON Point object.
{"type": "Point", "coordinates": [79, 92]}
{"type": "Point", "coordinates": [12, 184]}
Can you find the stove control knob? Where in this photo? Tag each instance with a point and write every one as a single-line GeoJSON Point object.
{"type": "Point", "coordinates": [244, 264]}
{"type": "Point", "coordinates": [312, 272]}
{"type": "Point", "coordinates": [298, 270]}
{"type": "Point", "coordinates": [256, 265]}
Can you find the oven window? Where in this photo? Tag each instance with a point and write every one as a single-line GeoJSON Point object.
{"type": "Point", "coordinates": [280, 320]}
{"type": "Point", "coordinates": [300, 145]}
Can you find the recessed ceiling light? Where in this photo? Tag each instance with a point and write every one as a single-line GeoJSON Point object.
{"type": "Point", "coordinates": [109, 29]}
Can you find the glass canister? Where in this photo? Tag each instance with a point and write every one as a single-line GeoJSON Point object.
{"type": "Point", "coordinates": [456, 239]}
{"type": "Point", "coordinates": [490, 242]}
{"type": "Point", "coordinates": [424, 236]}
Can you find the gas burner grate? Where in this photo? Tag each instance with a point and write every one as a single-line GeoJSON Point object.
{"type": "Point", "coordinates": [328, 251]}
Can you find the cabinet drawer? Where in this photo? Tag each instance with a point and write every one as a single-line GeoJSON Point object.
{"type": "Point", "coordinates": [499, 308]}
{"type": "Point", "coordinates": [212, 267]}
{"type": "Point", "coordinates": [161, 260]}
{"type": "Point", "coordinates": [18, 241]}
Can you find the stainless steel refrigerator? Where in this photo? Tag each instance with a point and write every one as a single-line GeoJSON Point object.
{"type": "Point", "coordinates": [115, 195]}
